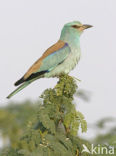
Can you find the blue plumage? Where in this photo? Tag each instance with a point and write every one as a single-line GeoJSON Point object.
{"type": "Point", "coordinates": [60, 58]}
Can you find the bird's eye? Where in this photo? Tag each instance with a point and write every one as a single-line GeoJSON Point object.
{"type": "Point", "coordinates": [75, 26]}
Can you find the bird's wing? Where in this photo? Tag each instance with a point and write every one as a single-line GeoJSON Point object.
{"type": "Point", "coordinates": [53, 56]}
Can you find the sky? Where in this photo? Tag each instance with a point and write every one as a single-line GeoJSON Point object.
{"type": "Point", "coordinates": [28, 28]}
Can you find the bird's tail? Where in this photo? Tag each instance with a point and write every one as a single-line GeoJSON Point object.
{"type": "Point", "coordinates": [25, 84]}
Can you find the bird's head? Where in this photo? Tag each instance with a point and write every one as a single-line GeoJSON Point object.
{"type": "Point", "coordinates": [73, 29]}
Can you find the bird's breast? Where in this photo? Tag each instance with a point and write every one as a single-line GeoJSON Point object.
{"type": "Point", "coordinates": [72, 60]}
{"type": "Point", "coordinates": [68, 64]}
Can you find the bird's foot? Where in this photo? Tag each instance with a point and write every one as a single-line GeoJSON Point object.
{"type": "Point", "coordinates": [76, 79]}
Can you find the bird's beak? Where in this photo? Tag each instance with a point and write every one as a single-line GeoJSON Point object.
{"type": "Point", "coordinates": [86, 26]}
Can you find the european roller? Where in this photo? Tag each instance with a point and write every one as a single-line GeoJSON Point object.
{"type": "Point", "coordinates": [60, 58]}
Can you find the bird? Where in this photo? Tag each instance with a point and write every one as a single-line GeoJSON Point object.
{"type": "Point", "coordinates": [60, 58]}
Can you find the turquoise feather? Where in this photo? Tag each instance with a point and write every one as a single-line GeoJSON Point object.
{"type": "Point", "coordinates": [54, 59]}
{"type": "Point", "coordinates": [61, 60]}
